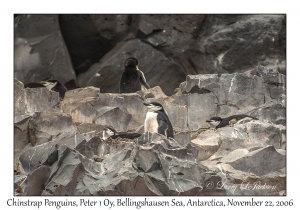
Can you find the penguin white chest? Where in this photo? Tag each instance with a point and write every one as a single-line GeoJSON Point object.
{"type": "Point", "coordinates": [151, 124]}
{"type": "Point", "coordinates": [214, 123]}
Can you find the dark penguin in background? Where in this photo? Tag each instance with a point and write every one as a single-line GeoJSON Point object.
{"type": "Point", "coordinates": [219, 122]}
{"type": "Point", "coordinates": [50, 84]}
{"type": "Point", "coordinates": [109, 132]}
{"type": "Point", "coordinates": [157, 120]}
{"type": "Point", "coordinates": [132, 78]}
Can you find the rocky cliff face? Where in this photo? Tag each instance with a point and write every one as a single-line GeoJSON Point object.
{"type": "Point", "coordinates": [90, 50]}
{"type": "Point", "coordinates": [59, 150]}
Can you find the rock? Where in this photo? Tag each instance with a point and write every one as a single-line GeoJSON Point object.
{"type": "Point", "coordinates": [40, 51]}
{"type": "Point", "coordinates": [225, 44]}
{"type": "Point", "coordinates": [274, 113]}
{"type": "Point", "coordinates": [45, 126]}
{"type": "Point", "coordinates": [264, 133]}
{"type": "Point", "coordinates": [113, 116]}
{"type": "Point", "coordinates": [232, 138]}
{"type": "Point", "coordinates": [32, 158]}
{"type": "Point", "coordinates": [205, 83]}
{"type": "Point", "coordinates": [269, 76]}
{"type": "Point", "coordinates": [207, 143]}
{"type": "Point", "coordinates": [117, 110]}
{"type": "Point", "coordinates": [129, 106]}
{"type": "Point", "coordinates": [83, 33]}
{"type": "Point", "coordinates": [270, 161]}
{"type": "Point", "coordinates": [147, 164]}
{"type": "Point", "coordinates": [201, 107]}
{"type": "Point", "coordinates": [78, 103]}
{"type": "Point", "coordinates": [82, 93]}
{"type": "Point", "coordinates": [90, 148]}
{"type": "Point", "coordinates": [182, 138]}
{"type": "Point", "coordinates": [41, 99]}
{"type": "Point", "coordinates": [166, 145]}
{"type": "Point", "coordinates": [237, 182]}
{"type": "Point", "coordinates": [36, 181]}
{"type": "Point", "coordinates": [31, 100]}
{"type": "Point", "coordinates": [21, 138]}
{"type": "Point", "coordinates": [18, 184]}
{"type": "Point", "coordinates": [19, 98]}
{"type": "Point", "coordinates": [234, 155]}
{"type": "Point", "coordinates": [236, 90]}
{"type": "Point", "coordinates": [88, 128]}
{"type": "Point", "coordinates": [112, 64]}
{"type": "Point", "coordinates": [70, 157]}
{"type": "Point", "coordinates": [254, 93]}
{"type": "Point", "coordinates": [155, 92]}
{"type": "Point", "coordinates": [167, 46]}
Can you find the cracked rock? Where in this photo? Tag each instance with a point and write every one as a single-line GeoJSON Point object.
{"type": "Point", "coordinates": [269, 161]}
{"type": "Point", "coordinates": [67, 155]}
{"type": "Point", "coordinates": [45, 126]}
{"type": "Point", "coordinates": [40, 50]}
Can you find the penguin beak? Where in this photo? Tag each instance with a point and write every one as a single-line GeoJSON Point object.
{"type": "Point", "coordinates": [146, 104]}
{"type": "Point", "coordinates": [208, 121]}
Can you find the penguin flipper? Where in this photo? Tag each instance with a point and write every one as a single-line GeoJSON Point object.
{"type": "Point", "coordinates": [33, 85]}
{"type": "Point", "coordinates": [143, 80]}
{"type": "Point", "coordinates": [223, 123]}
{"type": "Point", "coordinates": [162, 127]}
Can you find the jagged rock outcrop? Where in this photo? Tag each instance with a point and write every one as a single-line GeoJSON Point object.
{"type": "Point", "coordinates": [40, 50]}
{"type": "Point", "coordinates": [61, 140]}
{"type": "Point", "coordinates": [168, 47]}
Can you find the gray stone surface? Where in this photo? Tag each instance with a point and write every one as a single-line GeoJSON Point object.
{"type": "Point", "coordinates": [45, 126]}
{"type": "Point", "coordinates": [207, 144]}
{"type": "Point", "coordinates": [112, 64]}
{"type": "Point", "coordinates": [149, 161]}
{"type": "Point", "coordinates": [40, 50]}
{"type": "Point", "coordinates": [169, 47]}
{"type": "Point", "coordinates": [30, 100]}
{"type": "Point", "coordinates": [265, 133]}
{"type": "Point", "coordinates": [260, 162]}
{"type": "Point", "coordinates": [59, 148]}
{"type": "Point", "coordinates": [245, 93]}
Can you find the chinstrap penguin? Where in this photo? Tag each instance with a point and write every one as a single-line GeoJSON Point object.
{"type": "Point", "coordinates": [157, 120]}
{"type": "Point", "coordinates": [132, 78]}
{"type": "Point", "coordinates": [218, 122]}
{"type": "Point", "coordinates": [50, 84]}
{"type": "Point", "coordinates": [109, 132]}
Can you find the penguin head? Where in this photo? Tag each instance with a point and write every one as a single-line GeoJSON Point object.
{"type": "Point", "coordinates": [49, 84]}
{"type": "Point", "coordinates": [214, 121]}
{"type": "Point", "coordinates": [154, 106]}
{"type": "Point", "coordinates": [108, 132]}
{"type": "Point", "coordinates": [131, 62]}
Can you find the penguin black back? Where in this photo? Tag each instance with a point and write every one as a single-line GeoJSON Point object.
{"type": "Point", "coordinates": [163, 118]}
{"type": "Point", "coordinates": [33, 85]}
{"type": "Point", "coordinates": [132, 78]}
{"type": "Point", "coordinates": [226, 121]}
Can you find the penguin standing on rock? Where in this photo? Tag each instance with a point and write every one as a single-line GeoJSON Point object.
{"type": "Point", "coordinates": [157, 120]}
{"type": "Point", "coordinates": [218, 122]}
{"type": "Point", "coordinates": [132, 78]}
